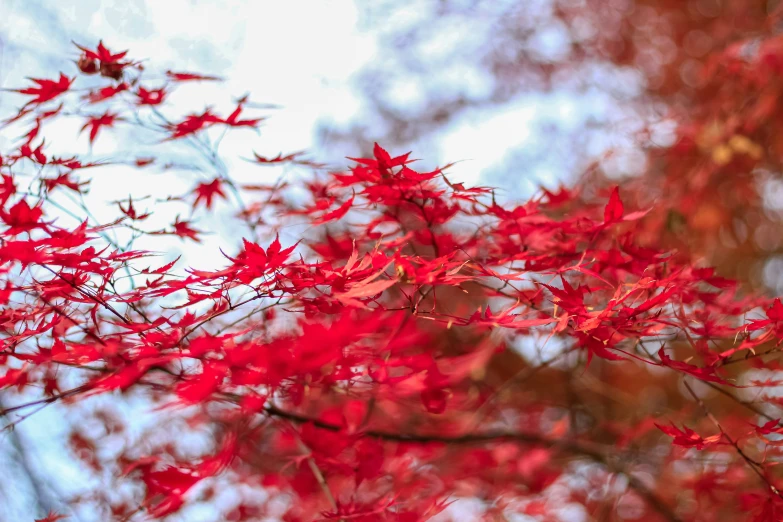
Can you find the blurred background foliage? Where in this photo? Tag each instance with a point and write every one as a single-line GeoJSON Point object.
{"type": "Point", "coordinates": [677, 101]}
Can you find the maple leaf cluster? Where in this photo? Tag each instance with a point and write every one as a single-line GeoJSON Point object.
{"type": "Point", "coordinates": [357, 373]}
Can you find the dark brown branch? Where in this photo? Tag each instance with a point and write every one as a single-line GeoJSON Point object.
{"type": "Point", "coordinates": [572, 447]}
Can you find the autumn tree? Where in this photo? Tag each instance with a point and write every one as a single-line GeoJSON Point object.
{"type": "Point", "coordinates": [416, 348]}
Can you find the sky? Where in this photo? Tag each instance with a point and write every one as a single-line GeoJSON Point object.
{"type": "Point", "coordinates": [299, 57]}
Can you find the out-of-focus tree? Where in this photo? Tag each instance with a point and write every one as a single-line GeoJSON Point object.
{"type": "Point", "coordinates": [677, 98]}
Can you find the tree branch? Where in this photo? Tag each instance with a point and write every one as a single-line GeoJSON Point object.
{"type": "Point", "coordinates": [573, 447]}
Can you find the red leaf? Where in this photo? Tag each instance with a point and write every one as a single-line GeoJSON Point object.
{"type": "Point", "coordinates": [188, 77]}
{"type": "Point", "coordinates": [336, 213]}
{"type": "Point", "coordinates": [95, 123]}
{"type": "Point", "coordinates": [150, 97]}
{"type": "Point", "coordinates": [689, 438]}
{"type": "Point", "coordinates": [614, 209]}
{"type": "Point", "coordinates": [206, 192]}
{"type": "Point", "coordinates": [705, 374]}
{"type": "Point", "coordinates": [46, 90]}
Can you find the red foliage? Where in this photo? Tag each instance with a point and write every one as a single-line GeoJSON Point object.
{"type": "Point", "coordinates": [359, 369]}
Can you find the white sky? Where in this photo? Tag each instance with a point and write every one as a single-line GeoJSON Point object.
{"type": "Point", "coordinates": [296, 55]}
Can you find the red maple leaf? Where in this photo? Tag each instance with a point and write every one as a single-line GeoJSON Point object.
{"type": "Point", "coordinates": [46, 90]}
{"type": "Point", "coordinates": [21, 217]}
{"type": "Point", "coordinates": [192, 124]}
{"type": "Point", "coordinates": [234, 121]}
{"type": "Point", "coordinates": [335, 214]}
{"type": "Point", "coordinates": [183, 230]}
{"type": "Point", "coordinates": [383, 161]}
{"type": "Point", "coordinates": [102, 54]}
{"type": "Point", "coordinates": [189, 77]}
{"type": "Point", "coordinates": [705, 374]}
{"type": "Point", "coordinates": [110, 65]}
{"type": "Point", "coordinates": [95, 123]}
{"type": "Point", "coordinates": [206, 192]}
{"type": "Point", "coordinates": [63, 180]}
{"type": "Point", "coordinates": [130, 211]}
{"type": "Point", "coordinates": [688, 438]}
{"type": "Point", "coordinates": [106, 92]}
{"type": "Point", "coordinates": [151, 96]}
